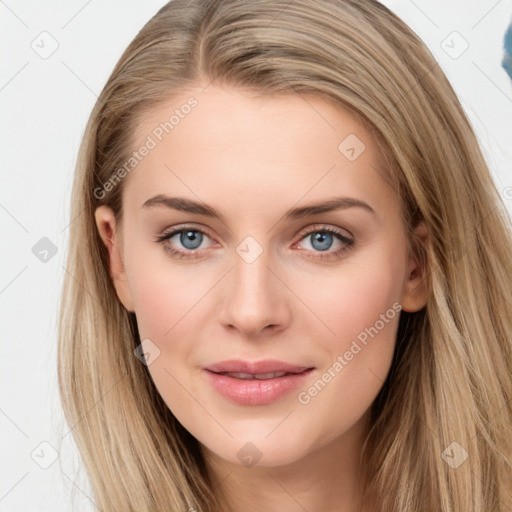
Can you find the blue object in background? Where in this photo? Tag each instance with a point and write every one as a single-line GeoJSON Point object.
{"type": "Point", "coordinates": [507, 43]}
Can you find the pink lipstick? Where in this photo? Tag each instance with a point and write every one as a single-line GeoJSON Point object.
{"type": "Point", "coordinates": [255, 382]}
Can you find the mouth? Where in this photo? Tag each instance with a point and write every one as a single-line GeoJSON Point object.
{"type": "Point", "coordinates": [258, 376]}
{"type": "Point", "coordinates": [256, 383]}
{"type": "Point", "coordinates": [263, 367]}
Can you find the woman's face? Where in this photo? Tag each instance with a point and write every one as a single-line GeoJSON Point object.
{"type": "Point", "coordinates": [258, 276]}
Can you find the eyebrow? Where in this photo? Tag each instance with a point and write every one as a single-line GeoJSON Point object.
{"type": "Point", "coordinates": [189, 206]}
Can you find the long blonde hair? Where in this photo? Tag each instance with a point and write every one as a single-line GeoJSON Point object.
{"type": "Point", "coordinates": [450, 380]}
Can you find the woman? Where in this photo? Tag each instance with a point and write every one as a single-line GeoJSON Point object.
{"type": "Point", "coordinates": [289, 272]}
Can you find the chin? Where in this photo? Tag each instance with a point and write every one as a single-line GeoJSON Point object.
{"type": "Point", "coordinates": [257, 451]}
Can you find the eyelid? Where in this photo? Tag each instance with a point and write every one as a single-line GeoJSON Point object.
{"type": "Point", "coordinates": [324, 227]}
{"type": "Point", "coordinates": [184, 227]}
{"type": "Point", "coordinates": [301, 234]}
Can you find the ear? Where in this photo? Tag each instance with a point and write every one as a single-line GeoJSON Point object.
{"type": "Point", "coordinates": [415, 290]}
{"type": "Point", "coordinates": [106, 224]}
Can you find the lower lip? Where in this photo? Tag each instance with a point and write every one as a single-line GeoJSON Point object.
{"type": "Point", "coordinates": [254, 391]}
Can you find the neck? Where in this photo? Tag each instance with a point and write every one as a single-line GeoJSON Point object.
{"type": "Point", "coordinates": [327, 478]}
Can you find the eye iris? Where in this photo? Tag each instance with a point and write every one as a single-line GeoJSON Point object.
{"type": "Point", "coordinates": [190, 236]}
{"type": "Point", "coordinates": [322, 236]}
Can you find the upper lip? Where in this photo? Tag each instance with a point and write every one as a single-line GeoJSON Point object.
{"type": "Point", "coordinates": [255, 367]}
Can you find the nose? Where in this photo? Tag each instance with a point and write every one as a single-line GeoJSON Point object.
{"type": "Point", "coordinates": [255, 300]}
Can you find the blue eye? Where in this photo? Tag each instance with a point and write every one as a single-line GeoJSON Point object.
{"type": "Point", "coordinates": [191, 238]}
{"type": "Point", "coordinates": [322, 238]}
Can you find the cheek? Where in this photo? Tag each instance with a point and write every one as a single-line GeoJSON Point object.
{"type": "Point", "coordinates": [162, 302]}
{"type": "Point", "coordinates": [364, 317]}
{"type": "Point", "coordinates": [361, 309]}
{"type": "Point", "coordinates": [353, 297]}
{"type": "Point", "coordinates": [165, 293]}
{"type": "Point", "coordinates": [167, 303]}
{"type": "Point", "coordinates": [170, 302]}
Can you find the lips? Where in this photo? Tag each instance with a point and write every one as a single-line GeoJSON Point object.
{"type": "Point", "coordinates": [259, 376]}
{"type": "Point", "coordinates": [255, 382]}
{"type": "Point", "coordinates": [255, 367]}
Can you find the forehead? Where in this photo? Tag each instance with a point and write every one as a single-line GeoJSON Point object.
{"type": "Point", "coordinates": [223, 112]}
{"type": "Point", "coordinates": [223, 141]}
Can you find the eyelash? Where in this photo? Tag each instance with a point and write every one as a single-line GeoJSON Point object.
{"type": "Point", "coordinates": [316, 229]}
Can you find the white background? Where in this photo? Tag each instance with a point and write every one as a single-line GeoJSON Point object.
{"type": "Point", "coordinates": [44, 105]}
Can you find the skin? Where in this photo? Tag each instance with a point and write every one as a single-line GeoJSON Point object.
{"type": "Point", "coordinates": [253, 159]}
